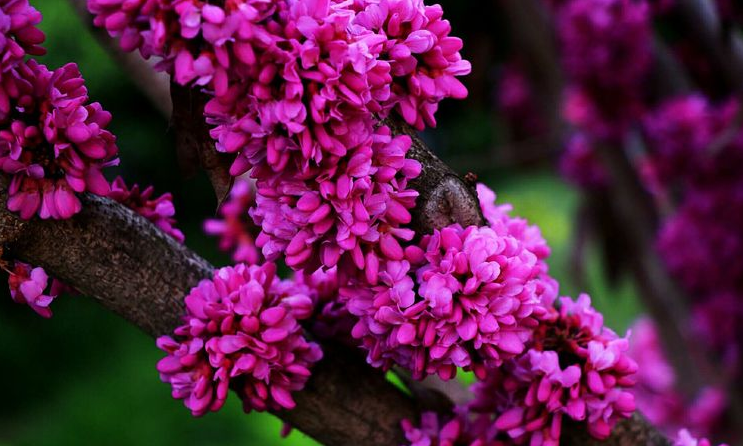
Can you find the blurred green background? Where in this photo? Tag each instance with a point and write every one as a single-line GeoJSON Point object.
{"type": "Point", "coordinates": [87, 377]}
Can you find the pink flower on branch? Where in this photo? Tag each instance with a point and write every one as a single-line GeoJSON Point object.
{"type": "Point", "coordinates": [19, 36]}
{"type": "Point", "coordinates": [467, 298]}
{"type": "Point", "coordinates": [159, 210]}
{"type": "Point", "coordinates": [573, 367]}
{"type": "Point", "coordinates": [29, 286]}
{"type": "Point", "coordinates": [242, 332]}
{"type": "Point", "coordinates": [234, 227]}
{"type": "Point", "coordinates": [53, 144]}
{"type": "Point", "coordinates": [606, 51]}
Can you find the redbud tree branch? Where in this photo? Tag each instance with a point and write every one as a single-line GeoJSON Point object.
{"type": "Point", "coordinates": [132, 268]}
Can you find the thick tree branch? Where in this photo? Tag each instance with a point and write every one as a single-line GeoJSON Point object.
{"type": "Point", "coordinates": [134, 269]}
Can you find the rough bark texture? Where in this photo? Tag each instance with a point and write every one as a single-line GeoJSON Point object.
{"type": "Point", "coordinates": [134, 269]}
{"type": "Point", "coordinates": [444, 197]}
{"type": "Point", "coordinates": [109, 252]}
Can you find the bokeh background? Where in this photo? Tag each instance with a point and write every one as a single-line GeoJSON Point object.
{"type": "Point", "coordinates": [87, 377]}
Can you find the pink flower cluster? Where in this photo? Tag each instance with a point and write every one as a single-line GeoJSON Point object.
{"type": "Point", "coordinates": [465, 298]}
{"type": "Point", "coordinates": [606, 51]}
{"type": "Point", "coordinates": [349, 52]}
{"type": "Point", "coordinates": [424, 60]}
{"type": "Point", "coordinates": [234, 228]}
{"type": "Point", "coordinates": [241, 329]}
{"type": "Point", "coordinates": [434, 432]}
{"type": "Point", "coordinates": [296, 88]}
{"type": "Point", "coordinates": [159, 210]}
{"type": "Point", "coordinates": [574, 367]}
{"type": "Point", "coordinates": [18, 36]}
{"type": "Point", "coordinates": [700, 243]}
{"type": "Point", "coordinates": [353, 209]}
{"type": "Point", "coordinates": [53, 144]}
{"type": "Point", "coordinates": [681, 130]}
{"type": "Point", "coordinates": [28, 286]}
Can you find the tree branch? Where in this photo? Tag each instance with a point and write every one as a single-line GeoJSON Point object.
{"type": "Point", "coordinates": [134, 269]}
{"type": "Point", "coordinates": [444, 198]}
{"type": "Point", "coordinates": [131, 267]}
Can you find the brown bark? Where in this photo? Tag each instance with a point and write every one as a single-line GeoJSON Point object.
{"type": "Point", "coordinates": [444, 197]}
{"type": "Point", "coordinates": [134, 269]}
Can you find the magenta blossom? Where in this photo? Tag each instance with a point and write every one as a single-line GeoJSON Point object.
{"type": "Point", "coordinates": [573, 367]}
{"type": "Point", "coordinates": [424, 59]}
{"type": "Point", "coordinates": [680, 132]}
{"type": "Point", "coordinates": [235, 228]}
{"type": "Point", "coordinates": [434, 432]}
{"type": "Point", "coordinates": [464, 298]}
{"type": "Point", "coordinates": [159, 210]}
{"type": "Point", "coordinates": [580, 165]}
{"type": "Point", "coordinates": [353, 209]}
{"type": "Point", "coordinates": [29, 286]}
{"type": "Point", "coordinates": [241, 330]}
{"type": "Point", "coordinates": [19, 37]}
{"type": "Point", "coordinates": [517, 101]}
{"type": "Point", "coordinates": [53, 144]}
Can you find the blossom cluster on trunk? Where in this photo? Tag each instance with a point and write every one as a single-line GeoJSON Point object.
{"type": "Point", "coordinates": [298, 90]}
